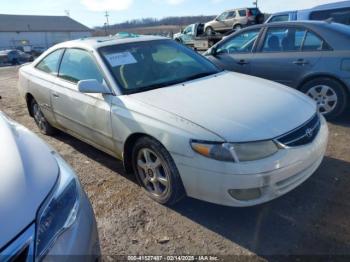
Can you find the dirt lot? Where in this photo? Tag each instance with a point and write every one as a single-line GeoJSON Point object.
{"type": "Point", "coordinates": [313, 219]}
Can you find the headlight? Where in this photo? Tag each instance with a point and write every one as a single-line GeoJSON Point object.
{"type": "Point", "coordinates": [235, 151]}
{"type": "Point", "coordinates": [255, 150]}
{"type": "Point", "coordinates": [59, 211]}
{"type": "Point", "coordinates": [217, 151]}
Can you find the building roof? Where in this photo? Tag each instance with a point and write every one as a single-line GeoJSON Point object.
{"type": "Point", "coordinates": [31, 23]}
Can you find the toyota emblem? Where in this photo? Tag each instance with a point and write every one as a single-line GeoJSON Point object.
{"type": "Point", "coordinates": [309, 132]}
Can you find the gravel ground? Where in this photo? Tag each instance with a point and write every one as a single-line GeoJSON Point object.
{"type": "Point", "coordinates": [313, 219]}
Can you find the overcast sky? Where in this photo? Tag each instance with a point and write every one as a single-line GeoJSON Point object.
{"type": "Point", "coordinates": [91, 12]}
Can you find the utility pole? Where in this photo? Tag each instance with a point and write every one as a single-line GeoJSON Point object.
{"type": "Point", "coordinates": [255, 3]}
{"type": "Point", "coordinates": [107, 22]}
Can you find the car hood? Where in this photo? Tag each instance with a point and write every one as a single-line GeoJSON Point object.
{"type": "Point", "coordinates": [236, 107]}
{"type": "Point", "coordinates": [177, 35]}
{"type": "Point", "coordinates": [28, 172]}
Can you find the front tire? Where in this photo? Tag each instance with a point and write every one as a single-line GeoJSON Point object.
{"type": "Point", "coordinates": [156, 171]}
{"type": "Point", "coordinates": [40, 120]}
{"type": "Point", "coordinates": [209, 30]}
{"type": "Point", "coordinates": [330, 96]}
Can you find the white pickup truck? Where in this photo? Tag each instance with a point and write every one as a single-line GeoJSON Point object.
{"type": "Point", "coordinates": [195, 37]}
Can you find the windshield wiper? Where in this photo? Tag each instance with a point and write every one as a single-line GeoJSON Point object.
{"type": "Point", "coordinates": [196, 76]}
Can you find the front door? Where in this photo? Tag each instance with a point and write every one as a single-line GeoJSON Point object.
{"type": "Point", "coordinates": [235, 53]}
{"type": "Point", "coordinates": [87, 116]}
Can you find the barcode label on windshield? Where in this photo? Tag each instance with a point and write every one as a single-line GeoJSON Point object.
{"type": "Point", "coordinates": [119, 59]}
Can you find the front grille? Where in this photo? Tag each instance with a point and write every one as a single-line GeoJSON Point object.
{"type": "Point", "coordinates": [302, 135]}
{"type": "Point", "coordinates": [21, 249]}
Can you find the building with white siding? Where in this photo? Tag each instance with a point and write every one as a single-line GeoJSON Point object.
{"type": "Point", "coordinates": [38, 31]}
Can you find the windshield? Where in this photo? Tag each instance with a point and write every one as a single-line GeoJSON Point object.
{"type": "Point", "coordinates": [143, 66]}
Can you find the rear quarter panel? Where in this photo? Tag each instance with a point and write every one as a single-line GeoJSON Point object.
{"type": "Point", "coordinates": [334, 64]}
{"type": "Point", "coordinates": [38, 84]}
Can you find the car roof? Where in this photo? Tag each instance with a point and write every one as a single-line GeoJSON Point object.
{"type": "Point", "coordinates": [307, 23]}
{"type": "Point", "coordinates": [241, 8]}
{"type": "Point", "coordinates": [97, 42]}
{"type": "Point", "coordinates": [341, 4]}
{"type": "Point", "coordinates": [283, 13]}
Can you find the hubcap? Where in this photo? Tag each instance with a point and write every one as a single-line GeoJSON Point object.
{"type": "Point", "coordinates": [152, 172]}
{"type": "Point", "coordinates": [325, 97]}
{"type": "Point", "coordinates": [38, 117]}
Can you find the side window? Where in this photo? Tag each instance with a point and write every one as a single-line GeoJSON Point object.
{"type": "Point", "coordinates": [242, 43]}
{"type": "Point", "coordinates": [187, 30]}
{"type": "Point", "coordinates": [223, 16]}
{"type": "Point", "coordinates": [313, 43]}
{"type": "Point", "coordinates": [283, 39]}
{"type": "Point", "coordinates": [231, 15]}
{"type": "Point", "coordinates": [79, 65]}
{"type": "Point", "coordinates": [339, 15]}
{"type": "Point", "coordinates": [242, 12]}
{"type": "Point", "coordinates": [50, 63]}
{"type": "Point", "coordinates": [279, 18]}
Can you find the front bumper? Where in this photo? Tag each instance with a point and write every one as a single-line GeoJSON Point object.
{"type": "Point", "coordinates": [211, 181]}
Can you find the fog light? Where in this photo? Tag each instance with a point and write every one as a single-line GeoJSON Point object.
{"type": "Point", "coordinates": [245, 194]}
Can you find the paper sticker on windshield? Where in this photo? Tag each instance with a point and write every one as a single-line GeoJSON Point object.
{"type": "Point", "coordinates": [119, 59]}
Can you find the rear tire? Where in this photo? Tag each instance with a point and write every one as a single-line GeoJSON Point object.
{"type": "Point", "coordinates": [330, 95]}
{"type": "Point", "coordinates": [156, 171]}
{"type": "Point", "coordinates": [236, 28]}
{"type": "Point", "coordinates": [14, 62]}
{"type": "Point", "coordinates": [40, 120]}
{"type": "Point", "coordinates": [209, 31]}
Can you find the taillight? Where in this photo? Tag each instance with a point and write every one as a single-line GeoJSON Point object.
{"type": "Point", "coordinates": [249, 13]}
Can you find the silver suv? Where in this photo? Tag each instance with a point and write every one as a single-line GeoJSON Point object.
{"type": "Point", "coordinates": [234, 19]}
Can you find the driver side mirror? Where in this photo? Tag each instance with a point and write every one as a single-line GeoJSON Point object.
{"type": "Point", "coordinates": [92, 86]}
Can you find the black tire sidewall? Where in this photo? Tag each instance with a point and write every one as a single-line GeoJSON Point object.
{"type": "Point", "coordinates": [209, 30]}
{"type": "Point", "coordinates": [337, 87]}
{"type": "Point", "coordinates": [237, 27]}
{"type": "Point", "coordinates": [175, 192]}
{"type": "Point", "coordinates": [48, 129]}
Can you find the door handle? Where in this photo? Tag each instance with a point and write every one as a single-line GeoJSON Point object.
{"type": "Point", "coordinates": [55, 95]}
{"type": "Point", "coordinates": [301, 62]}
{"type": "Point", "coordinates": [242, 62]}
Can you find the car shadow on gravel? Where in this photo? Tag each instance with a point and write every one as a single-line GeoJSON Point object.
{"type": "Point", "coordinates": [343, 120]}
{"type": "Point", "coordinates": [95, 154]}
{"type": "Point", "coordinates": [312, 219]}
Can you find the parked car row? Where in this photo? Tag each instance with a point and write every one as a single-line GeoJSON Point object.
{"type": "Point", "coordinates": [14, 57]}
{"type": "Point", "coordinates": [184, 125]}
{"type": "Point", "coordinates": [179, 123]}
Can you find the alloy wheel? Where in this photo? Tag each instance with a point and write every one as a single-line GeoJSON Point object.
{"type": "Point", "coordinates": [153, 172]}
{"type": "Point", "coordinates": [325, 97]}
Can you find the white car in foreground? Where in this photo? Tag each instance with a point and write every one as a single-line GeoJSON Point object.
{"type": "Point", "coordinates": [44, 212]}
{"type": "Point", "coordinates": [179, 123]}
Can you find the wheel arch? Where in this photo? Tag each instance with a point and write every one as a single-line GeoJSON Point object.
{"type": "Point", "coordinates": [129, 145]}
{"type": "Point", "coordinates": [326, 75]}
